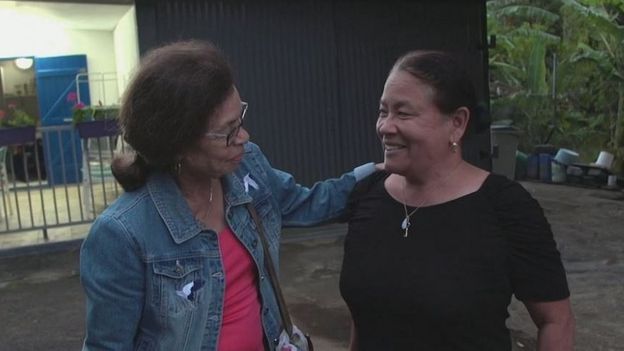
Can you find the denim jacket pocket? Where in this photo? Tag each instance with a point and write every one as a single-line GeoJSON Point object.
{"type": "Point", "coordinates": [177, 285]}
{"type": "Point", "coordinates": [144, 344]}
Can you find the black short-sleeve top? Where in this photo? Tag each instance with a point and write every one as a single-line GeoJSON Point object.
{"type": "Point", "coordinates": [447, 285]}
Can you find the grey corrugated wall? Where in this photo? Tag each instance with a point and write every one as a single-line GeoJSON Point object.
{"type": "Point", "coordinates": [313, 71]}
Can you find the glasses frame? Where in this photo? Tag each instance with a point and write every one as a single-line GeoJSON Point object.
{"type": "Point", "coordinates": [229, 136]}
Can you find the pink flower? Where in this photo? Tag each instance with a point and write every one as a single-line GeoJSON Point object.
{"type": "Point", "coordinates": [2, 114]}
{"type": "Point", "coordinates": [72, 96]}
{"type": "Point", "coordinates": [11, 106]}
{"type": "Point", "coordinates": [79, 106]}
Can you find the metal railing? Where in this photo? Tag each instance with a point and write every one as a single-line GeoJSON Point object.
{"type": "Point", "coordinates": [59, 179]}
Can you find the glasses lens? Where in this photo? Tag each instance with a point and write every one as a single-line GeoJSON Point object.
{"type": "Point", "coordinates": [234, 133]}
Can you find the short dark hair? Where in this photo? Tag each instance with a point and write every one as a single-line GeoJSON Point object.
{"type": "Point", "coordinates": [449, 80]}
{"type": "Point", "coordinates": [165, 107]}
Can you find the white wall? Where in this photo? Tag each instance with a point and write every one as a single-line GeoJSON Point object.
{"type": "Point", "coordinates": [100, 50]}
{"type": "Point", "coordinates": [97, 45]}
{"type": "Point", "coordinates": [126, 40]}
{"type": "Point", "coordinates": [35, 33]}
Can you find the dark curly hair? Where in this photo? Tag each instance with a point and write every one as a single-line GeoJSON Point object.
{"type": "Point", "coordinates": [165, 107]}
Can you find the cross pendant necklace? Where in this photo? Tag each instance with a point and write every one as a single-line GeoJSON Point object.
{"type": "Point", "coordinates": [405, 224]}
{"type": "Point", "coordinates": [406, 221]}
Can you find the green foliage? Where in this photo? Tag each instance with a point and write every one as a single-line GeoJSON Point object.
{"type": "Point", "coordinates": [558, 72]}
{"type": "Point", "coordinates": [521, 13]}
{"type": "Point", "coordinates": [15, 117]}
{"type": "Point", "coordinates": [84, 113]}
{"type": "Point", "coordinates": [21, 118]}
{"type": "Point", "coordinates": [536, 70]}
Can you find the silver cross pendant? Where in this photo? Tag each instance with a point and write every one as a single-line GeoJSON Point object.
{"type": "Point", "coordinates": [405, 226]}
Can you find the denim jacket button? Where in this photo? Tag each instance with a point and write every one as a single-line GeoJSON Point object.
{"type": "Point", "coordinates": [262, 277]}
{"type": "Point", "coordinates": [266, 310]}
{"type": "Point", "coordinates": [179, 269]}
{"type": "Point", "coordinates": [254, 243]}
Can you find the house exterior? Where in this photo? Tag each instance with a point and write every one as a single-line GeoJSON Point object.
{"type": "Point", "coordinates": [313, 71]}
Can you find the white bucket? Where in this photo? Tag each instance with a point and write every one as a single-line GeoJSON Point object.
{"type": "Point", "coordinates": [566, 157]}
{"type": "Point", "coordinates": [605, 160]}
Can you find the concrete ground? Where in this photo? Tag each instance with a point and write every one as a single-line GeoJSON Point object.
{"type": "Point", "coordinates": [42, 304]}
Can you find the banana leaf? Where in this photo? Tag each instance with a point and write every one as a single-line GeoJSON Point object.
{"type": "Point", "coordinates": [536, 69]}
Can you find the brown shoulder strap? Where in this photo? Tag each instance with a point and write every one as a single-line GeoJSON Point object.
{"type": "Point", "coordinates": [268, 262]}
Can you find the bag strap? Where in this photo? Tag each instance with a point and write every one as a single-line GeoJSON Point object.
{"type": "Point", "coordinates": [268, 262]}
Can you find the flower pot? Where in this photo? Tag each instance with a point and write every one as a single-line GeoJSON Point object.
{"type": "Point", "coordinates": [97, 129]}
{"type": "Point", "coordinates": [17, 135]}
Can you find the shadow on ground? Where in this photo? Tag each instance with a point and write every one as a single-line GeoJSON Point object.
{"type": "Point", "coordinates": [42, 304]}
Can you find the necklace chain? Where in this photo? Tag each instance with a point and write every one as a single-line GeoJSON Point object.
{"type": "Point", "coordinates": [208, 209]}
{"type": "Point", "coordinates": [405, 224]}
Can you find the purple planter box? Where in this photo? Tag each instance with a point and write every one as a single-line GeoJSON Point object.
{"type": "Point", "coordinates": [97, 129]}
{"type": "Point", "coordinates": [17, 135]}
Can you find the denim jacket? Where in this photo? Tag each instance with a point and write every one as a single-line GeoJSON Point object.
{"type": "Point", "coordinates": [146, 247]}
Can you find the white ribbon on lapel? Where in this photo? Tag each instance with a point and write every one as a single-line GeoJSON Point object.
{"type": "Point", "coordinates": [249, 182]}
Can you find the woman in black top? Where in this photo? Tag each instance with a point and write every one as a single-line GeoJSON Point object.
{"type": "Point", "coordinates": [436, 246]}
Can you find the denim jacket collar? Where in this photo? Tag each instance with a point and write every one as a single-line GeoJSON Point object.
{"type": "Point", "coordinates": [176, 213]}
{"type": "Point", "coordinates": [234, 189]}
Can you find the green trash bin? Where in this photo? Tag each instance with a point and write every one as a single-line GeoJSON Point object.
{"type": "Point", "coordinates": [522, 162]}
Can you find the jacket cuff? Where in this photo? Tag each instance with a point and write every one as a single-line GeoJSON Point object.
{"type": "Point", "coordinates": [364, 171]}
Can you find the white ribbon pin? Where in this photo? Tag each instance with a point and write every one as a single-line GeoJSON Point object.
{"type": "Point", "coordinates": [186, 290]}
{"type": "Point", "coordinates": [249, 182]}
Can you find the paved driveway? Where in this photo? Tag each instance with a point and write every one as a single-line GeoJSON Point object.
{"type": "Point", "coordinates": [42, 305]}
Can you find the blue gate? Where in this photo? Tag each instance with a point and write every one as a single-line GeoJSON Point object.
{"type": "Point", "coordinates": [55, 80]}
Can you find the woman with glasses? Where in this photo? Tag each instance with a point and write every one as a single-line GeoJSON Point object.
{"type": "Point", "coordinates": [176, 263]}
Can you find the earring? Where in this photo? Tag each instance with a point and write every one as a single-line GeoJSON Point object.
{"type": "Point", "coordinates": [177, 167]}
{"type": "Point", "coordinates": [453, 146]}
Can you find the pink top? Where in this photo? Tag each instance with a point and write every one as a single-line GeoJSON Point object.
{"type": "Point", "coordinates": [241, 328]}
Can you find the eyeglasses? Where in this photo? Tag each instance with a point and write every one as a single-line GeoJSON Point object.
{"type": "Point", "coordinates": [233, 133]}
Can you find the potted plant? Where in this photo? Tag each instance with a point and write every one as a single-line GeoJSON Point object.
{"type": "Point", "coordinates": [95, 121]}
{"type": "Point", "coordinates": [16, 126]}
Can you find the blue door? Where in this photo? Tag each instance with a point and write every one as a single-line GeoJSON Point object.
{"type": "Point", "coordinates": [56, 79]}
